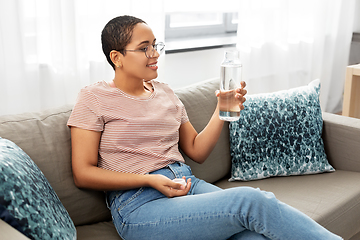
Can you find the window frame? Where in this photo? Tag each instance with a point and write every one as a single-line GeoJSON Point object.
{"type": "Point", "coordinates": [225, 28]}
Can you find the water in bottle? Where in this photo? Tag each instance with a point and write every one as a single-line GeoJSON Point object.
{"type": "Point", "coordinates": [230, 78]}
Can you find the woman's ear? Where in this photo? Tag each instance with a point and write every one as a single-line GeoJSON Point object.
{"type": "Point", "coordinates": [116, 58]}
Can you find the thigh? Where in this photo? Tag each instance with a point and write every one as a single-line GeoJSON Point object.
{"type": "Point", "coordinates": [201, 187]}
{"type": "Point", "coordinates": [248, 235]}
{"type": "Point", "coordinates": [208, 216]}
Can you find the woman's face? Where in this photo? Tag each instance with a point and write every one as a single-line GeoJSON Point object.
{"type": "Point", "coordinates": [135, 64]}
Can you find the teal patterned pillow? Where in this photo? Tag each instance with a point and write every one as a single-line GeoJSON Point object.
{"type": "Point", "coordinates": [279, 134]}
{"type": "Point", "coordinates": [27, 197]}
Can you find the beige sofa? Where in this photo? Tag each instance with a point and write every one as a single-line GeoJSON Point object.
{"type": "Point", "coordinates": [332, 199]}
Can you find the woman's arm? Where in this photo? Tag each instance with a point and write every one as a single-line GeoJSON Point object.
{"type": "Point", "coordinates": [198, 146]}
{"type": "Point", "coordinates": [85, 146]}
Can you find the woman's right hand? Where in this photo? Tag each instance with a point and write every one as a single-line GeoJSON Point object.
{"type": "Point", "coordinates": [168, 187]}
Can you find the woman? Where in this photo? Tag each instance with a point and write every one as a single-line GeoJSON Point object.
{"type": "Point", "coordinates": [125, 139]}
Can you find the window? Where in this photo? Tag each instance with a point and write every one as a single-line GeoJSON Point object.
{"type": "Point", "coordinates": [199, 24]}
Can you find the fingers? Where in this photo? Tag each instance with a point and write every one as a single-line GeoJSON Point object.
{"type": "Point", "coordinates": [241, 91]}
{"type": "Point", "coordinates": [240, 95]}
{"type": "Point", "coordinates": [181, 186]}
{"type": "Point", "coordinates": [243, 84]}
{"type": "Point", "coordinates": [177, 189]}
{"type": "Point", "coordinates": [217, 93]}
{"type": "Point", "coordinates": [177, 186]}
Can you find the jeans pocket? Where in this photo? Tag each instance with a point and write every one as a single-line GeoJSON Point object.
{"type": "Point", "coordinates": [127, 197]}
{"type": "Point", "coordinates": [189, 168]}
{"type": "Point", "coordinates": [188, 171]}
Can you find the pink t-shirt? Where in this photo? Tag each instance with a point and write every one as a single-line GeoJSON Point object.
{"type": "Point", "coordinates": [139, 135]}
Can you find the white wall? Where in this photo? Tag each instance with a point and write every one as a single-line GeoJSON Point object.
{"type": "Point", "coordinates": [182, 69]}
{"type": "Point", "coordinates": [354, 57]}
{"type": "Point", "coordinates": [357, 17]}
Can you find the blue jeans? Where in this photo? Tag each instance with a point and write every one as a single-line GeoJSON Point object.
{"type": "Point", "coordinates": [208, 212]}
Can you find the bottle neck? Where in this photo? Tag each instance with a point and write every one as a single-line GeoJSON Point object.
{"type": "Point", "coordinates": [231, 58]}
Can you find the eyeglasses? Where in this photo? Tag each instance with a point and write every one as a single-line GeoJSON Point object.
{"type": "Point", "coordinates": [150, 49]}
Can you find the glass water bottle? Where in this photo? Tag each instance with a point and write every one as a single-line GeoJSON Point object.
{"type": "Point", "coordinates": [230, 78]}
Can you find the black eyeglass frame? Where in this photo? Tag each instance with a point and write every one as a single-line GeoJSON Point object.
{"type": "Point", "coordinates": [154, 48]}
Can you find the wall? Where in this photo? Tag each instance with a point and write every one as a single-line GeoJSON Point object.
{"type": "Point", "coordinates": [357, 17]}
{"type": "Point", "coordinates": [354, 57]}
{"type": "Point", "coordinates": [182, 69]}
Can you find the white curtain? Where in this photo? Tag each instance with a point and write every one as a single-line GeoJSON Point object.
{"type": "Point", "coordinates": [50, 49]}
{"type": "Point", "coordinates": [288, 43]}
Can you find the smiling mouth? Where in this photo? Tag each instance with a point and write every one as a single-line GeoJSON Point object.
{"type": "Point", "coordinates": [153, 66]}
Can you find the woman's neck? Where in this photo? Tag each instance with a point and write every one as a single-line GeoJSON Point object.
{"type": "Point", "coordinates": [134, 87]}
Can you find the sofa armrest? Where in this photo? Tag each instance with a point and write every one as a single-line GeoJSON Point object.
{"type": "Point", "coordinates": [10, 233]}
{"type": "Point", "coordinates": [341, 137]}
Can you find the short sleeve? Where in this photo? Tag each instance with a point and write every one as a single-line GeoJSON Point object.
{"type": "Point", "coordinates": [86, 113]}
{"type": "Point", "coordinates": [184, 116]}
{"type": "Point", "coordinates": [175, 99]}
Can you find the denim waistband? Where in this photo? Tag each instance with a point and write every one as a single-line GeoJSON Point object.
{"type": "Point", "coordinates": [174, 170]}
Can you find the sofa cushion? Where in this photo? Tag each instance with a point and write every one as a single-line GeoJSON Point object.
{"type": "Point", "coordinates": [8, 217]}
{"type": "Point", "coordinates": [45, 137]}
{"type": "Point", "coordinates": [341, 140]}
{"type": "Point", "coordinates": [279, 134]}
{"type": "Point", "coordinates": [102, 230]}
{"type": "Point", "coordinates": [331, 199]}
{"type": "Point", "coordinates": [8, 232]}
{"type": "Point", "coordinates": [200, 103]}
{"type": "Point", "coordinates": [26, 194]}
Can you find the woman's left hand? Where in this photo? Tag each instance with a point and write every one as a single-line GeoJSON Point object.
{"type": "Point", "coordinates": [239, 94]}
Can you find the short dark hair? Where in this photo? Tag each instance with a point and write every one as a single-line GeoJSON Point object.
{"type": "Point", "coordinates": [117, 34]}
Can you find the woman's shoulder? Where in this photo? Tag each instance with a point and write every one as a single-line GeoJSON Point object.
{"type": "Point", "coordinates": [98, 86]}
{"type": "Point", "coordinates": [94, 92]}
{"type": "Point", "coordinates": [162, 85]}
{"type": "Point", "coordinates": [169, 92]}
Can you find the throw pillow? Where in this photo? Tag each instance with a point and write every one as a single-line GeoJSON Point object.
{"type": "Point", "coordinates": [27, 200]}
{"type": "Point", "coordinates": [279, 134]}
